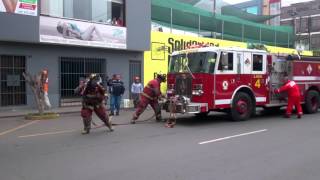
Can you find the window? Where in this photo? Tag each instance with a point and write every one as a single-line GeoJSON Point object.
{"type": "Point", "coordinates": [315, 24]}
{"type": "Point", "coordinates": [252, 10]}
{"type": "Point", "coordinates": [74, 69]}
{"type": "Point", "coordinates": [103, 11]}
{"type": "Point", "coordinates": [257, 64]}
{"type": "Point", "coordinates": [226, 61]}
{"type": "Point", "coordinates": [212, 57]}
{"type": "Point", "coordinates": [12, 83]}
{"type": "Point", "coordinates": [198, 62]}
{"type": "Point", "coordinates": [302, 25]}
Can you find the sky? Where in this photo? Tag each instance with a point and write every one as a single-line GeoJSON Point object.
{"type": "Point", "coordinates": [284, 2]}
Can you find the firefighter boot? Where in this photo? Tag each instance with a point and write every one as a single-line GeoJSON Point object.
{"type": "Point", "coordinates": [108, 123]}
{"type": "Point", "coordinates": [299, 115]}
{"type": "Point", "coordinates": [87, 126]}
{"type": "Point", "coordinates": [85, 131]}
{"type": "Point", "coordinates": [159, 118]}
{"type": "Point", "coordinates": [134, 118]}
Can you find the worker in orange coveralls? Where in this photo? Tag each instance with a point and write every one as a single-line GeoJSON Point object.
{"type": "Point", "coordinates": [45, 87]}
{"type": "Point", "coordinates": [150, 95]}
{"type": "Point", "coordinates": [293, 96]}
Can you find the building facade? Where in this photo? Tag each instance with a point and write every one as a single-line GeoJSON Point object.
{"type": "Point", "coordinates": [70, 38]}
{"type": "Point", "coordinates": [263, 7]}
{"type": "Point", "coordinates": [305, 18]}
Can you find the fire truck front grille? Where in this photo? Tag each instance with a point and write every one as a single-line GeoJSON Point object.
{"type": "Point", "coordinates": [183, 86]}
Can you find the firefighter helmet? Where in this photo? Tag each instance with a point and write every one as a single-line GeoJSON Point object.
{"type": "Point", "coordinates": [161, 77]}
{"type": "Point", "coordinates": [94, 76]}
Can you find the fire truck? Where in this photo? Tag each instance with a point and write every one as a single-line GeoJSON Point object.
{"type": "Point", "coordinates": [237, 80]}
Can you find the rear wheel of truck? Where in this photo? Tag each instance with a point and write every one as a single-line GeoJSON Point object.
{"type": "Point", "coordinates": [312, 102]}
{"type": "Point", "coordinates": [242, 107]}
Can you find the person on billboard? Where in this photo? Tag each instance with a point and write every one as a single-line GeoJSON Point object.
{"type": "Point", "coordinates": [9, 5]}
{"type": "Point", "coordinates": [150, 95]}
{"type": "Point", "coordinates": [92, 93]}
{"type": "Point", "coordinates": [293, 96]}
{"type": "Point", "coordinates": [71, 30]}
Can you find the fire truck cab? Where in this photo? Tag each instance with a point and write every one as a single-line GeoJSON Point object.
{"type": "Point", "coordinates": [237, 80]}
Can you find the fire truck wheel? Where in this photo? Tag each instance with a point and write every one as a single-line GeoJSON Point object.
{"type": "Point", "coordinates": [312, 102]}
{"type": "Point", "coordinates": [242, 107]}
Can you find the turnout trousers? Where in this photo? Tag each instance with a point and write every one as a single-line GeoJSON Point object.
{"type": "Point", "coordinates": [100, 110]}
{"type": "Point", "coordinates": [144, 102]}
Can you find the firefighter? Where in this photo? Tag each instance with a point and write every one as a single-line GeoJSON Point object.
{"type": "Point", "coordinates": [93, 95]}
{"type": "Point", "coordinates": [293, 96]}
{"type": "Point", "coordinates": [150, 95]}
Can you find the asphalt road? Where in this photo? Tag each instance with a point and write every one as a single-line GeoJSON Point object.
{"type": "Point", "coordinates": [213, 148]}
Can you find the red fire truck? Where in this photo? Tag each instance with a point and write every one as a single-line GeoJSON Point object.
{"type": "Point", "coordinates": [237, 80]}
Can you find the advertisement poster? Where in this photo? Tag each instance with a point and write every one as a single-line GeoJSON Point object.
{"type": "Point", "coordinates": [65, 31]}
{"type": "Point", "coordinates": [24, 7]}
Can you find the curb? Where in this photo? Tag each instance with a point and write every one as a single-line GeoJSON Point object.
{"type": "Point", "coordinates": [62, 112]}
{"type": "Point", "coordinates": [23, 115]}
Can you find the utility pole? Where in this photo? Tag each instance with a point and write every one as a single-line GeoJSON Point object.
{"type": "Point", "coordinates": [300, 24]}
{"type": "Point", "coordinates": [214, 7]}
{"type": "Point", "coordinates": [309, 31]}
{"type": "Point", "coordinates": [214, 16]}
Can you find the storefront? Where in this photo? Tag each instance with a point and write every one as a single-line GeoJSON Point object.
{"type": "Point", "coordinates": [71, 39]}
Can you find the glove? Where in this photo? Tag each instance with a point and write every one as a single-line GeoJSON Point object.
{"type": "Point", "coordinates": [276, 91]}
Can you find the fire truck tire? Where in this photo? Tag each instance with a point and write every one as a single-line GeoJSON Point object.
{"type": "Point", "coordinates": [242, 107]}
{"type": "Point", "coordinates": [312, 102]}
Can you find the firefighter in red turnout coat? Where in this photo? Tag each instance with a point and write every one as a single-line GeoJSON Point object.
{"type": "Point", "coordinates": [150, 95]}
{"type": "Point", "coordinates": [293, 96]}
{"type": "Point", "coordinates": [93, 95]}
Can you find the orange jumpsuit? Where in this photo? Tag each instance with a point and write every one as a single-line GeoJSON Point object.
{"type": "Point", "coordinates": [293, 97]}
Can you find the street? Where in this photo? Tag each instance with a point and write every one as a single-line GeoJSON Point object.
{"type": "Point", "coordinates": [265, 147]}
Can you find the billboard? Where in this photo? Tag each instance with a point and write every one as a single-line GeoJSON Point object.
{"type": "Point", "coordinates": [25, 7]}
{"type": "Point", "coordinates": [80, 33]}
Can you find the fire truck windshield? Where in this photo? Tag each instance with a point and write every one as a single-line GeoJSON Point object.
{"type": "Point", "coordinates": [196, 62]}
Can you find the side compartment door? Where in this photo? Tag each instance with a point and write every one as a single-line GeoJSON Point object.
{"type": "Point", "coordinates": [246, 69]}
{"type": "Point", "coordinates": [239, 59]}
{"type": "Point", "coordinates": [259, 75]}
{"type": "Point", "coordinates": [247, 63]}
{"type": "Point", "coordinates": [226, 72]}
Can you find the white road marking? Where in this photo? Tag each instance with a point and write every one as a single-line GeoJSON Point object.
{"type": "Point", "coordinates": [17, 128]}
{"type": "Point", "coordinates": [48, 133]}
{"type": "Point", "coordinates": [234, 136]}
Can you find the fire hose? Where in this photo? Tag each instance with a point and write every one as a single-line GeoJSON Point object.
{"type": "Point", "coordinates": [162, 103]}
